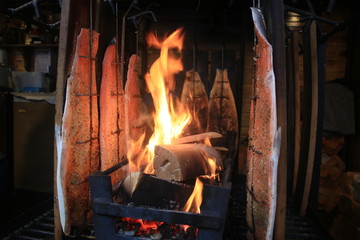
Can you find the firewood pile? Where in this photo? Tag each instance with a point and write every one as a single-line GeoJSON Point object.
{"type": "Point", "coordinates": [338, 191]}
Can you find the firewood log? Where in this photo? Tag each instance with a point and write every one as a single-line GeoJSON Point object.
{"type": "Point", "coordinates": [195, 98]}
{"type": "Point", "coordinates": [185, 161]}
{"type": "Point", "coordinates": [148, 190]}
{"type": "Point", "coordinates": [332, 145]}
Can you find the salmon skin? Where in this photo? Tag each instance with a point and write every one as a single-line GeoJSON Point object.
{"type": "Point", "coordinates": [195, 98]}
{"type": "Point", "coordinates": [78, 146]}
{"type": "Point", "coordinates": [264, 140]}
{"type": "Point", "coordinates": [134, 122]}
{"type": "Point", "coordinates": [222, 115]}
{"type": "Point", "coordinates": [112, 115]}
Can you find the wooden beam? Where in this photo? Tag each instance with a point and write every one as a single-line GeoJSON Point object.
{"type": "Point", "coordinates": [297, 136]}
{"type": "Point", "coordinates": [314, 119]}
{"type": "Point", "coordinates": [60, 85]}
{"type": "Point", "coordinates": [69, 29]}
{"type": "Point", "coordinates": [275, 13]}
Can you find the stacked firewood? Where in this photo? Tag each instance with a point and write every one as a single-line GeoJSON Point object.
{"type": "Point", "coordinates": [338, 192]}
{"type": "Point", "coordinates": [331, 172]}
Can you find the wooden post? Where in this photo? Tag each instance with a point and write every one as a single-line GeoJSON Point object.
{"type": "Point", "coordinates": [297, 109]}
{"type": "Point", "coordinates": [60, 85]}
{"type": "Point", "coordinates": [313, 119]}
{"type": "Point", "coordinates": [275, 17]}
{"type": "Point", "coordinates": [69, 29]}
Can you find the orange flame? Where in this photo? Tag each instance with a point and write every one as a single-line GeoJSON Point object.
{"type": "Point", "coordinates": [194, 202]}
{"type": "Point", "coordinates": [170, 117]}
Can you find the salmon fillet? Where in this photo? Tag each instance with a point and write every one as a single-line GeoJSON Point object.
{"type": "Point", "coordinates": [134, 122]}
{"type": "Point", "coordinates": [222, 108]}
{"type": "Point", "coordinates": [79, 148]}
{"type": "Point", "coordinates": [264, 141]}
{"type": "Point", "coordinates": [195, 98]}
{"type": "Point", "coordinates": [112, 115]}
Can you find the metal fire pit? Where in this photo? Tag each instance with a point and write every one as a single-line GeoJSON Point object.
{"type": "Point", "coordinates": [210, 222]}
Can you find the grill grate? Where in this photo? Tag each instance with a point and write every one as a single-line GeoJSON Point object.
{"type": "Point", "coordinates": [41, 227]}
{"type": "Point", "coordinates": [297, 228]}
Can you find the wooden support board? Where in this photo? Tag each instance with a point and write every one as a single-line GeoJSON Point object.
{"type": "Point", "coordinates": [70, 26]}
{"type": "Point", "coordinates": [313, 119]}
{"type": "Point", "coordinates": [297, 79]}
{"type": "Point", "coordinates": [275, 13]}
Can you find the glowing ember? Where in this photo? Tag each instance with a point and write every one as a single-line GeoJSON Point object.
{"type": "Point", "coordinates": [145, 226]}
{"type": "Point", "coordinates": [155, 230]}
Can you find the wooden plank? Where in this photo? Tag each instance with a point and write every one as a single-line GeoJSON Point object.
{"type": "Point", "coordinates": [297, 136]}
{"type": "Point", "coordinates": [306, 116]}
{"type": "Point", "coordinates": [69, 29]}
{"type": "Point", "coordinates": [313, 121]}
{"type": "Point", "coordinates": [197, 137]}
{"type": "Point", "coordinates": [263, 150]}
{"type": "Point", "coordinates": [275, 12]}
{"type": "Point", "coordinates": [60, 85]}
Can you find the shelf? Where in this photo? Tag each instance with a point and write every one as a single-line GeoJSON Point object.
{"type": "Point", "coordinates": [33, 45]}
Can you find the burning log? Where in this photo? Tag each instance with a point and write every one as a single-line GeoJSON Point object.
{"type": "Point", "coordinates": [182, 162]}
{"type": "Point", "coordinates": [148, 190]}
{"type": "Point", "coordinates": [222, 109]}
{"type": "Point", "coordinates": [195, 98]}
{"type": "Point", "coordinates": [112, 115]}
{"type": "Point", "coordinates": [79, 150]}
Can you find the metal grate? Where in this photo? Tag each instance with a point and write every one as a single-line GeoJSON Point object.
{"type": "Point", "coordinates": [41, 227]}
{"type": "Point", "coordinates": [297, 228]}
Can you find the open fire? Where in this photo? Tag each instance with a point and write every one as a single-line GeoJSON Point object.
{"type": "Point", "coordinates": [170, 116]}
{"type": "Point", "coordinates": [168, 169]}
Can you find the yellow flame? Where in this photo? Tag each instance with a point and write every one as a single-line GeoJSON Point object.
{"type": "Point", "coordinates": [195, 200]}
{"type": "Point", "coordinates": [170, 117]}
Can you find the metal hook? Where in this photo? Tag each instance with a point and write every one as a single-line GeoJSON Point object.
{"type": "Point", "coordinates": [136, 23]}
{"type": "Point", "coordinates": [33, 3]}
{"type": "Point", "coordinates": [134, 17]}
{"type": "Point", "coordinates": [112, 5]}
{"type": "Point", "coordinates": [36, 8]}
